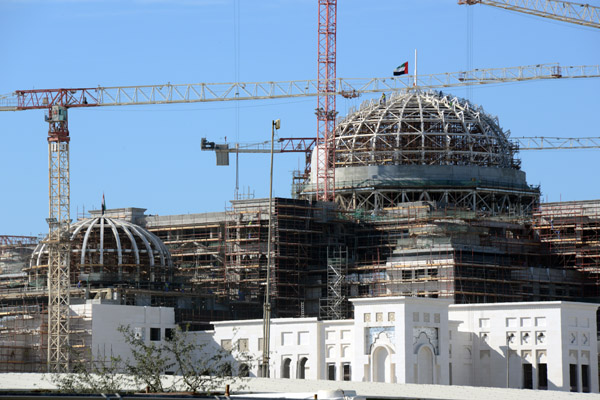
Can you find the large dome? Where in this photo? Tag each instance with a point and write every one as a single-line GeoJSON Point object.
{"type": "Point", "coordinates": [422, 129]}
{"type": "Point", "coordinates": [109, 251]}
{"type": "Point", "coordinates": [432, 147]}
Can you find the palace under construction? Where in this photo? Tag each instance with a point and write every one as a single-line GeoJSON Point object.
{"type": "Point", "coordinates": [430, 201]}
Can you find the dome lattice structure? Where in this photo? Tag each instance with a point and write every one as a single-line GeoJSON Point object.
{"type": "Point", "coordinates": [422, 129]}
{"type": "Point", "coordinates": [109, 251]}
{"type": "Point", "coordinates": [427, 147]}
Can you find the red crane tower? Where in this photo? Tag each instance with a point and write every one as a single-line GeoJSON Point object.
{"type": "Point", "coordinates": [326, 114]}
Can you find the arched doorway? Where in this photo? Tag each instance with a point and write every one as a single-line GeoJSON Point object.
{"type": "Point", "coordinates": [380, 361]}
{"type": "Point", "coordinates": [244, 371]}
{"type": "Point", "coordinates": [425, 366]}
{"type": "Point", "coordinates": [285, 368]}
{"type": "Point", "coordinates": [301, 374]}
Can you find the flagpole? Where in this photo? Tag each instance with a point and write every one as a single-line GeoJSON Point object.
{"type": "Point", "coordinates": [415, 82]}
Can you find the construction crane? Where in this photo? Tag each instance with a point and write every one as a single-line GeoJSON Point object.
{"type": "Point", "coordinates": [58, 240]}
{"type": "Point", "coordinates": [57, 102]}
{"type": "Point", "coordinates": [284, 145]}
{"type": "Point", "coordinates": [575, 13]}
{"type": "Point", "coordinates": [45, 99]}
{"type": "Point", "coordinates": [556, 143]}
{"type": "Point", "coordinates": [326, 113]}
{"type": "Point", "coordinates": [11, 240]}
{"type": "Point", "coordinates": [307, 145]}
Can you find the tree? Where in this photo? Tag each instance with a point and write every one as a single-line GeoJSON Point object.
{"type": "Point", "coordinates": [99, 376]}
{"type": "Point", "coordinates": [149, 361]}
{"type": "Point", "coordinates": [197, 367]}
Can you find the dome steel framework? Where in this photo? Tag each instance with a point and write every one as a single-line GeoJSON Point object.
{"type": "Point", "coordinates": [422, 129]}
{"type": "Point", "coordinates": [431, 147]}
{"type": "Point", "coordinates": [107, 251]}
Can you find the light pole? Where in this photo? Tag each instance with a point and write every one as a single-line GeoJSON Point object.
{"type": "Point", "coordinates": [276, 124]}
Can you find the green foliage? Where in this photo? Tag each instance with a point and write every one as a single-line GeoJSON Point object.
{"type": "Point", "coordinates": [100, 376]}
{"type": "Point", "coordinates": [197, 368]}
{"type": "Point", "coordinates": [191, 371]}
{"type": "Point", "coordinates": [148, 363]}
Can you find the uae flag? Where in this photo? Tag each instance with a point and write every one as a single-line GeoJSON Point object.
{"type": "Point", "coordinates": [103, 204]}
{"type": "Point", "coordinates": [402, 69]}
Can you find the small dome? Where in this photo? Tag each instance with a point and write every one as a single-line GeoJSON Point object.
{"type": "Point", "coordinates": [109, 251]}
{"type": "Point", "coordinates": [419, 128]}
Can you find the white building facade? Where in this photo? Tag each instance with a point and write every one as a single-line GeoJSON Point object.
{"type": "Point", "coordinates": [102, 321]}
{"type": "Point", "coordinates": [551, 345]}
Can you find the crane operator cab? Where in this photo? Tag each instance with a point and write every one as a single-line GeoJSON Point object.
{"type": "Point", "coordinates": [56, 114]}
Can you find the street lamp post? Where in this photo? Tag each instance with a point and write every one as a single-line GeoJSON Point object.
{"type": "Point", "coordinates": [276, 124]}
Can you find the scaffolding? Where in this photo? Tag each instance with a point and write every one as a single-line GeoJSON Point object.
{"type": "Point", "coordinates": [401, 252]}
{"type": "Point", "coordinates": [24, 337]}
{"type": "Point", "coordinates": [571, 233]}
{"type": "Point", "coordinates": [422, 249]}
{"type": "Point", "coordinates": [246, 254]}
{"type": "Point", "coordinates": [196, 251]}
{"type": "Point", "coordinates": [14, 256]}
{"type": "Point", "coordinates": [322, 256]}
{"type": "Point", "coordinates": [335, 305]}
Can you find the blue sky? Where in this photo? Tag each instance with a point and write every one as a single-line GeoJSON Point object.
{"type": "Point", "coordinates": [149, 156]}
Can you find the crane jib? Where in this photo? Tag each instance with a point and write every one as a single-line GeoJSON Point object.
{"type": "Point", "coordinates": [346, 87]}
